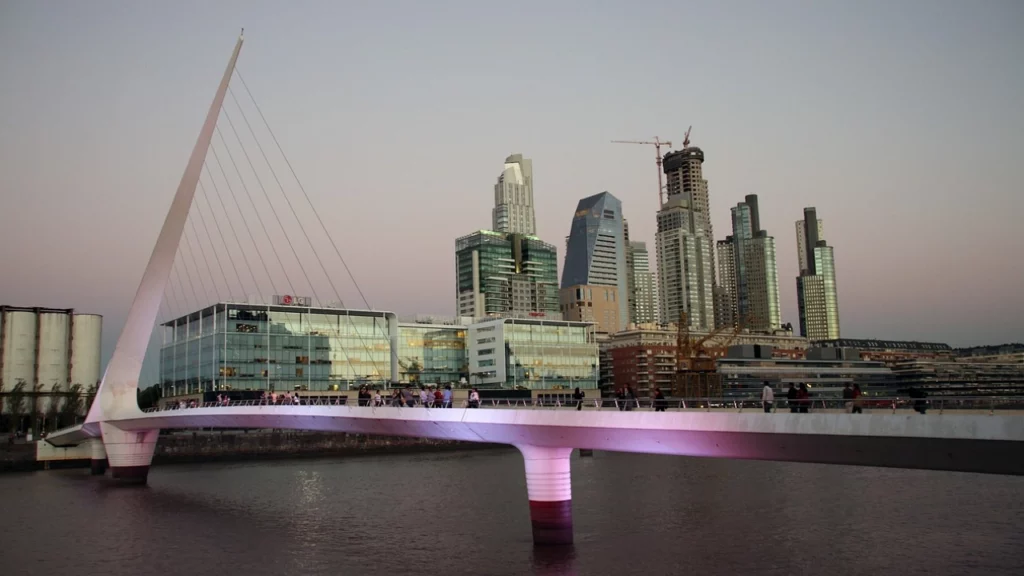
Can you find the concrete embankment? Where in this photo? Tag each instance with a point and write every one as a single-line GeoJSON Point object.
{"type": "Point", "coordinates": [228, 446]}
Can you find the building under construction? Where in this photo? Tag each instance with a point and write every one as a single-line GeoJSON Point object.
{"type": "Point", "coordinates": [696, 370]}
{"type": "Point", "coordinates": [646, 357]}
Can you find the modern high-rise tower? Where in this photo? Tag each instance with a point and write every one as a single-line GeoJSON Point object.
{"type": "Point", "coordinates": [500, 274]}
{"type": "Point", "coordinates": [801, 241]}
{"type": "Point", "coordinates": [595, 253]}
{"type": "Point", "coordinates": [513, 198]}
{"type": "Point", "coordinates": [643, 289]}
{"type": "Point", "coordinates": [817, 296]}
{"type": "Point", "coordinates": [748, 277]}
{"type": "Point", "coordinates": [685, 245]}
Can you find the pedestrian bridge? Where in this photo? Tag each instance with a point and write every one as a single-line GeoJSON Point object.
{"type": "Point", "coordinates": [963, 434]}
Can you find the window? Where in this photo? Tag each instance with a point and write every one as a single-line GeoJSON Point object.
{"type": "Point", "coordinates": [485, 352]}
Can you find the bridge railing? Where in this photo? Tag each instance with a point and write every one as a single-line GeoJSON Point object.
{"type": "Point", "coordinates": [874, 404]}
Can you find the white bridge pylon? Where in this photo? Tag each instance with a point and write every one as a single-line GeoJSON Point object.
{"type": "Point", "coordinates": [116, 397]}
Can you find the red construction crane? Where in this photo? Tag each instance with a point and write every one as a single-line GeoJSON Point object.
{"type": "Point", "coordinates": [686, 138]}
{"type": "Point", "coordinates": [657, 160]}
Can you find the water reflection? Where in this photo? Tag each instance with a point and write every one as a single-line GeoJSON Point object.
{"type": "Point", "coordinates": [554, 561]}
{"type": "Point", "coordinates": [466, 513]}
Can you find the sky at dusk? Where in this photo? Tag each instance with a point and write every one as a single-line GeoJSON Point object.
{"type": "Point", "coordinates": [902, 122]}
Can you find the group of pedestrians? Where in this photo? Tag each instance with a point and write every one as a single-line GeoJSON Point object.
{"type": "Point", "coordinates": [274, 399]}
{"type": "Point", "coordinates": [625, 398]}
{"type": "Point", "coordinates": [799, 399]}
{"type": "Point", "coordinates": [436, 396]}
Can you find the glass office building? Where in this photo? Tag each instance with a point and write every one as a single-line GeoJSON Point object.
{"type": "Point", "coordinates": [432, 353]}
{"type": "Point", "coordinates": [500, 273]}
{"type": "Point", "coordinates": [282, 347]}
{"type": "Point", "coordinates": [533, 354]}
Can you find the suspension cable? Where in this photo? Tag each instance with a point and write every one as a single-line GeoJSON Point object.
{"type": "Point", "coordinates": [231, 226]}
{"type": "Point", "coordinates": [213, 247]}
{"type": "Point", "coordinates": [337, 251]}
{"type": "Point", "coordinates": [362, 341]}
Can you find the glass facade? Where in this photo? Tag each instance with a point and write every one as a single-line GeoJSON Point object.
{"type": "Point", "coordinates": [432, 354]}
{"type": "Point", "coordinates": [595, 252]}
{"type": "Point", "coordinates": [545, 356]}
{"type": "Point", "coordinates": [818, 299]}
{"type": "Point", "coordinates": [246, 347]}
{"type": "Point", "coordinates": [748, 276]}
{"type": "Point", "coordinates": [532, 354]}
{"type": "Point", "coordinates": [500, 273]}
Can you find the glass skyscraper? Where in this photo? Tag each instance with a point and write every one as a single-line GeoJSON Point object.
{"type": "Point", "coordinates": [817, 296]}
{"type": "Point", "coordinates": [643, 289]}
{"type": "Point", "coordinates": [596, 250]}
{"type": "Point", "coordinates": [685, 245]}
{"type": "Point", "coordinates": [513, 198]}
{"type": "Point", "coordinates": [504, 274]}
{"type": "Point", "coordinates": [748, 276]}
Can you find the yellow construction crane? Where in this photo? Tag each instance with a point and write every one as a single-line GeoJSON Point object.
{"type": "Point", "coordinates": [657, 143]}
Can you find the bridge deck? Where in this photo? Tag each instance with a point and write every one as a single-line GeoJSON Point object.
{"type": "Point", "coordinates": [970, 439]}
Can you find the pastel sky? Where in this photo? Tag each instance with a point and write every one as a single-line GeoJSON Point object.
{"type": "Point", "coordinates": [902, 122]}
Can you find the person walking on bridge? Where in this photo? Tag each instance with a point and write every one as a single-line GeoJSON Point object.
{"type": "Point", "coordinates": [803, 398]}
{"type": "Point", "coordinates": [791, 395]}
{"type": "Point", "coordinates": [857, 402]}
{"type": "Point", "coordinates": [578, 396]}
{"type": "Point", "coordinates": [767, 397]}
{"type": "Point", "coordinates": [660, 404]}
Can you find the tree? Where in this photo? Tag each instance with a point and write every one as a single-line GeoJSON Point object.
{"type": "Point", "coordinates": [412, 367]}
{"type": "Point", "coordinates": [149, 397]}
{"type": "Point", "coordinates": [90, 395]}
{"type": "Point", "coordinates": [50, 420]}
{"type": "Point", "coordinates": [34, 407]}
{"type": "Point", "coordinates": [16, 405]}
{"type": "Point", "coordinates": [71, 408]}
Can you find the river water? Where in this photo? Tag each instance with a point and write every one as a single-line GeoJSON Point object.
{"type": "Point", "coordinates": [467, 513]}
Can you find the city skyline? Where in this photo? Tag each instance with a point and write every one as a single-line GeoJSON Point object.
{"type": "Point", "coordinates": [94, 242]}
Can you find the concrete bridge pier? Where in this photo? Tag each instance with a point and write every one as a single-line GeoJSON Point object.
{"type": "Point", "coordinates": [129, 453]}
{"type": "Point", "coordinates": [98, 457]}
{"type": "Point", "coordinates": [549, 487]}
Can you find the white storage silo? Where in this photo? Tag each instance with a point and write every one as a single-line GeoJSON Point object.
{"type": "Point", "coordinates": [86, 334]}
{"type": "Point", "coordinates": [53, 348]}
{"type": "Point", "coordinates": [19, 347]}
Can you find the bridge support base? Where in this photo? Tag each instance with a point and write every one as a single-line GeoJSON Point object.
{"type": "Point", "coordinates": [129, 453]}
{"type": "Point", "coordinates": [98, 457]}
{"type": "Point", "coordinates": [548, 484]}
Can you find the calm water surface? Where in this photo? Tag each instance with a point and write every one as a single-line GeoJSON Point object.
{"type": "Point", "coordinates": [466, 513]}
